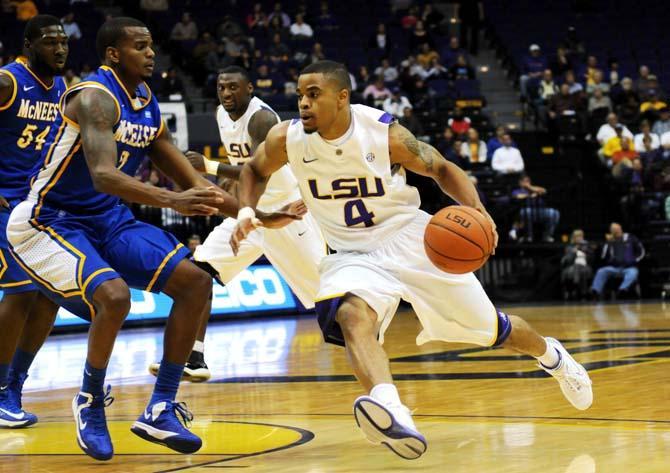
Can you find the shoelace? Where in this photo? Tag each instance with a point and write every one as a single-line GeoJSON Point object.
{"type": "Point", "coordinates": [186, 415]}
{"type": "Point", "coordinates": [100, 403]}
{"type": "Point", "coordinates": [571, 379]}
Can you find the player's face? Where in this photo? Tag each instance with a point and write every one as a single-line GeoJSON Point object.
{"type": "Point", "coordinates": [234, 92]}
{"type": "Point", "coordinates": [319, 102]}
{"type": "Point", "coordinates": [50, 50]}
{"type": "Point", "coordinates": [135, 52]}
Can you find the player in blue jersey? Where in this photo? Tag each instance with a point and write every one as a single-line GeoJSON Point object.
{"type": "Point", "coordinates": [30, 89]}
{"type": "Point", "coordinates": [84, 248]}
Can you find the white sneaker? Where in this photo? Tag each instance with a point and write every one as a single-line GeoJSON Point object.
{"type": "Point", "coordinates": [572, 377]}
{"type": "Point", "coordinates": [389, 425]}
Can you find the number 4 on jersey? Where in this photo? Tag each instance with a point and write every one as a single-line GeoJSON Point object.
{"type": "Point", "coordinates": [363, 215]}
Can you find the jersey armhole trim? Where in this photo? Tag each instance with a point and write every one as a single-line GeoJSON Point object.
{"type": "Point", "coordinates": [161, 129]}
{"type": "Point", "coordinates": [78, 88]}
{"type": "Point", "coordinates": [11, 100]}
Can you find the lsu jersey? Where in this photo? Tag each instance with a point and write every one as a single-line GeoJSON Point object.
{"type": "Point", "coordinates": [349, 185]}
{"type": "Point", "coordinates": [25, 123]}
{"type": "Point", "coordinates": [282, 186]}
{"type": "Point", "coordinates": [62, 180]}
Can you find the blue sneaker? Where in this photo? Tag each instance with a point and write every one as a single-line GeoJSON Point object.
{"type": "Point", "coordinates": [159, 424]}
{"type": "Point", "coordinates": [89, 417]}
{"type": "Point", "coordinates": [12, 414]}
{"type": "Point", "coordinates": [389, 425]}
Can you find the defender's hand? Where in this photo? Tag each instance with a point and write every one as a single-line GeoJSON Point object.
{"type": "Point", "coordinates": [197, 160]}
{"type": "Point", "coordinates": [483, 211]}
{"type": "Point", "coordinates": [3, 202]}
{"type": "Point", "coordinates": [284, 216]}
{"type": "Point", "coordinates": [243, 228]}
{"type": "Point", "coordinates": [197, 201]}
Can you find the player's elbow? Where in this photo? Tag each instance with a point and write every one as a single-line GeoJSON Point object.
{"type": "Point", "coordinates": [103, 180]}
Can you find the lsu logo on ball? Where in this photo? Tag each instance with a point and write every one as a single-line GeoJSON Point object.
{"type": "Point", "coordinates": [458, 219]}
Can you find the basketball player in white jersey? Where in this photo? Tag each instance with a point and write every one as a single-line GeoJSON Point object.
{"type": "Point", "coordinates": [295, 251]}
{"type": "Point", "coordinates": [350, 163]}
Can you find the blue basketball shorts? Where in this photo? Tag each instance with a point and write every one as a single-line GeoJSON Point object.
{"type": "Point", "coordinates": [69, 256]}
{"type": "Point", "coordinates": [13, 279]}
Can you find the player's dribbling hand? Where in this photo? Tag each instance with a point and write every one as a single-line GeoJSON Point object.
{"type": "Point", "coordinates": [3, 202]}
{"type": "Point", "coordinates": [197, 160]}
{"type": "Point", "coordinates": [287, 214]}
{"type": "Point", "coordinates": [198, 201]}
{"type": "Point", "coordinates": [483, 211]}
{"type": "Point", "coordinates": [242, 230]}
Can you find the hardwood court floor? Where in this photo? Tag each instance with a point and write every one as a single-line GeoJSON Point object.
{"type": "Point", "coordinates": [281, 401]}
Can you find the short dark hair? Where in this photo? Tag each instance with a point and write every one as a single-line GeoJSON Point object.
{"type": "Point", "coordinates": [33, 29]}
{"type": "Point", "coordinates": [112, 31]}
{"type": "Point", "coordinates": [335, 71]}
{"type": "Point", "coordinates": [236, 70]}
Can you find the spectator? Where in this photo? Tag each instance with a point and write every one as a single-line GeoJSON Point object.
{"type": "Point", "coordinates": [573, 86]}
{"type": "Point", "coordinates": [194, 241]}
{"type": "Point", "coordinates": [396, 103]}
{"type": "Point", "coordinates": [71, 27]}
{"type": "Point", "coordinates": [380, 40]}
{"type": "Point", "coordinates": [283, 17]}
{"type": "Point", "coordinates": [228, 29]}
{"type": "Point", "coordinates": [363, 76]}
{"type": "Point", "coordinates": [426, 55]}
{"type": "Point", "coordinates": [387, 71]}
{"type": "Point", "coordinates": [471, 15]}
{"type": "Point", "coordinates": [301, 30]}
{"type": "Point", "coordinates": [459, 123]}
{"type": "Point", "coordinates": [591, 70]}
{"type": "Point", "coordinates": [614, 144]}
{"type": "Point", "coordinates": [436, 71]}
{"type": "Point", "coordinates": [317, 53]}
{"type": "Point", "coordinates": [71, 78]}
{"type": "Point", "coordinates": [622, 159]}
{"type": "Point", "coordinates": [621, 93]}
{"type": "Point", "coordinates": [461, 70]}
{"type": "Point", "coordinates": [185, 30]}
{"type": "Point", "coordinates": [507, 159]}
{"type": "Point", "coordinates": [563, 103]}
{"type": "Point", "coordinates": [276, 27]}
{"type": "Point", "coordinates": [85, 71]}
{"type": "Point", "coordinates": [575, 46]}
{"type": "Point", "coordinates": [662, 125]}
{"type": "Point", "coordinates": [645, 132]}
{"type": "Point", "coordinates": [548, 87]}
{"type": "Point", "coordinates": [597, 83]}
{"type": "Point", "coordinates": [454, 155]}
{"type": "Point", "coordinates": [452, 52]}
{"type": "Point", "coordinates": [474, 149]}
{"type": "Point", "coordinates": [561, 63]}
{"type": "Point", "coordinates": [171, 85]}
{"type": "Point", "coordinates": [376, 93]}
{"type": "Point", "coordinates": [409, 20]}
{"type": "Point", "coordinates": [278, 50]}
{"type": "Point", "coordinates": [644, 81]}
{"type": "Point", "coordinates": [326, 21]}
{"type": "Point", "coordinates": [257, 19]}
{"type": "Point", "coordinates": [653, 102]}
{"type": "Point", "coordinates": [607, 130]}
{"type": "Point", "coordinates": [431, 18]}
{"type": "Point", "coordinates": [576, 272]}
{"type": "Point", "coordinates": [532, 68]}
{"type": "Point", "coordinates": [25, 10]}
{"type": "Point", "coordinates": [613, 65]}
{"type": "Point", "coordinates": [621, 254]}
{"type": "Point", "coordinates": [414, 69]}
{"type": "Point", "coordinates": [409, 121]}
{"type": "Point", "coordinates": [496, 140]}
{"type": "Point", "coordinates": [422, 96]}
{"type": "Point", "coordinates": [266, 84]}
{"type": "Point", "coordinates": [420, 37]}
{"type": "Point", "coordinates": [534, 209]}
{"type": "Point", "coordinates": [446, 141]}
{"type": "Point", "coordinates": [599, 101]}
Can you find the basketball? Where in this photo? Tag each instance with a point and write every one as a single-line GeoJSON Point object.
{"type": "Point", "coordinates": [458, 239]}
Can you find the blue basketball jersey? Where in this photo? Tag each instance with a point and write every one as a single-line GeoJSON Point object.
{"type": "Point", "coordinates": [62, 180]}
{"type": "Point", "coordinates": [25, 122]}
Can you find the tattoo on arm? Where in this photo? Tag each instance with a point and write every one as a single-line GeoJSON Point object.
{"type": "Point", "coordinates": [417, 148]}
{"type": "Point", "coordinates": [96, 114]}
{"type": "Point", "coordinates": [260, 124]}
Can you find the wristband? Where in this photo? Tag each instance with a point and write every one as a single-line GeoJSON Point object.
{"type": "Point", "coordinates": [246, 212]}
{"type": "Point", "coordinates": [211, 167]}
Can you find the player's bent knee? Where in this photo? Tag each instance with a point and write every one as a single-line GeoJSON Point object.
{"type": "Point", "coordinates": [504, 328]}
{"type": "Point", "coordinates": [189, 282]}
{"type": "Point", "coordinates": [113, 297]}
{"type": "Point", "coordinates": [339, 315]}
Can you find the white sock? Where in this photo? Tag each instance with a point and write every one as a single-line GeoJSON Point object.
{"type": "Point", "coordinates": [551, 358]}
{"type": "Point", "coordinates": [386, 394]}
{"type": "Point", "coordinates": [199, 346]}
